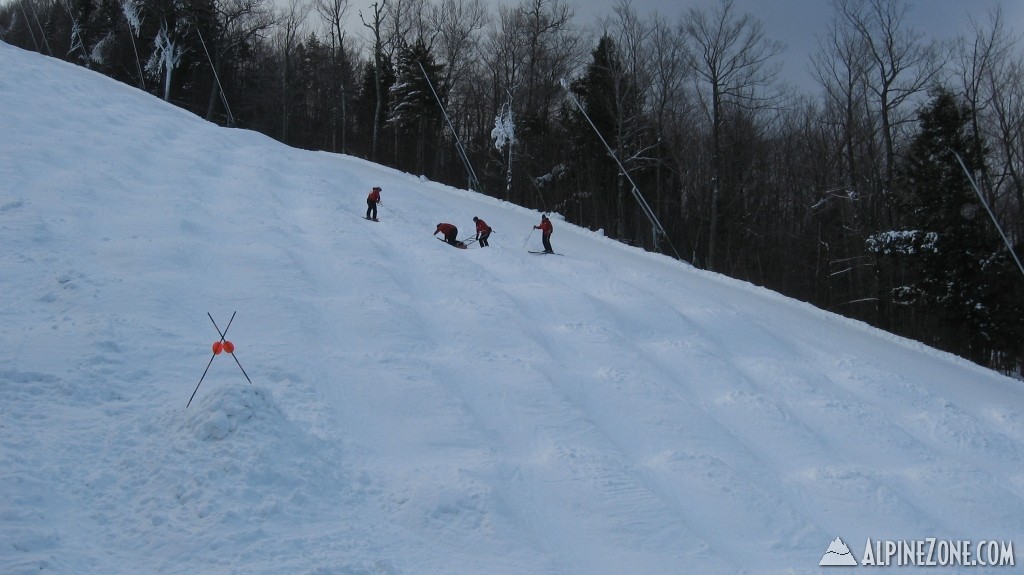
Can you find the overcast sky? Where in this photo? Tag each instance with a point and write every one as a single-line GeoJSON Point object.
{"type": "Point", "coordinates": [795, 23]}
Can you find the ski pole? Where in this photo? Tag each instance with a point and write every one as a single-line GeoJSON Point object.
{"type": "Point", "coordinates": [528, 237]}
{"type": "Point", "coordinates": [222, 335]}
{"type": "Point", "coordinates": [200, 381]}
{"type": "Point", "coordinates": [220, 344]}
{"type": "Point", "coordinates": [232, 352]}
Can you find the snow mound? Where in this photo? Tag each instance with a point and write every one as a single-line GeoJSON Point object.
{"type": "Point", "coordinates": [227, 408]}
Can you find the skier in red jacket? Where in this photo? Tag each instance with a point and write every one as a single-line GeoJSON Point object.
{"type": "Point", "coordinates": [371, 203]}
{"type": "Point", "coordinates": [483, 231]}
{"type": "Point", "coordinates": [451, 233]}
{"type": "Point", "coordinates": [545, 229]}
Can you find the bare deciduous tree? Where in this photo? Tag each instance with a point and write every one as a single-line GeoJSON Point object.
{"type": "Point", "coordinates": [900, 66]}
{"type": "Point", "coordinates": [286, 41]}
{"type": "Point", "coordinates": [531, 48]}
{"type": "Point", "coordinates": [732, 62]}
{"type": "Point", "coordinates": [375, 26]}
{"type": "Point", "coordinates": [333, 12]}
{"type": "Point", "coordinates": [990, 79]}
{"type": "Point", "coordinates": [237, 23]}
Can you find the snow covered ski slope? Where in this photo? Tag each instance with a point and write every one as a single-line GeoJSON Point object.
{"type": "Point", "coordinates": [418, 410]}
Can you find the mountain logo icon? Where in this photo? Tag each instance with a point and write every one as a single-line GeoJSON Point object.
{"type": "Point", "coordinates": [837, 555]}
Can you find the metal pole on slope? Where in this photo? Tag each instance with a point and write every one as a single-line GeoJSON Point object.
{"type": "Point", "coordinates": [644, 206]}
{"type": "Point", "coordinates": [28, 26]}
{"type": "Point", "coordinates": [216, 76]}
{"type": "Point", "coordinates": [981, 197]}
{"type": "Point", "coordinates": [474, 183]}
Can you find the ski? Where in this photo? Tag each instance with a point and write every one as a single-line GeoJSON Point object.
{"type": "Point", "coordinates": [547, 253]}
{"type": "Point", "coordinates": [459, 245]}
{"type": "Point", "coordinates": [371, 219]}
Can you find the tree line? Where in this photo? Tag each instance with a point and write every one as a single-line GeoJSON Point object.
{"type": "Point", "coordinates": [891, 195]}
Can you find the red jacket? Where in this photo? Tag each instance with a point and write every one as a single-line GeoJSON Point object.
{"type": "Point", "coordinates": [481, 226]}
{"type": "Point", "coordinates": [545, 226]}
{"type": "Point", "coordinates": [444, 229]}
{"type": "Point", "coordinates": [374, 196]}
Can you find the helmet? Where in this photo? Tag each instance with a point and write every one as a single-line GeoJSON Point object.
{"type": "Point", "coordinates": [475, 219]}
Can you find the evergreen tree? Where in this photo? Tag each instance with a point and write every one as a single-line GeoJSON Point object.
{"type": "Point", "coordinates": [948, 254]}
{"type": "Point", "coordinates": [307, 89]}
{"type": "Point", "coordinates": [596, 90]}
{"type": "Point", "coordinates": [365, 104]}
{"type": "Point", "coordinates": [609, 96]}
{"type": "Point", "coordinates": [415, 113]}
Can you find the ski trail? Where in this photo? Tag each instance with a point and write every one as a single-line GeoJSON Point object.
{"type": "Point", "coordinates": [793, 406]}
{"type": "Point", "coordinates": [594, 448]}
{"type": "Point", "coordinates": [670, 469]}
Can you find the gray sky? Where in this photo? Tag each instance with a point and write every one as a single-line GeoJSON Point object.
{"type": "Point", "coordinates": [795, 23]}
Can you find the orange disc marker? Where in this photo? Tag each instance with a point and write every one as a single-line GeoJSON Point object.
{"type": "Point", "coordinates": [219, 347]}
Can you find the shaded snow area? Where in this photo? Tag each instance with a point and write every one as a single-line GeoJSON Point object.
{"type": "Point", "coordinates": [417, 409]}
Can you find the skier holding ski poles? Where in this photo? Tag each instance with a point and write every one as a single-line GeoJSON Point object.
{"type": "Point", "coordinates": [545, 230]}
{"type": "Point", "coordinates": [483, 231]}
